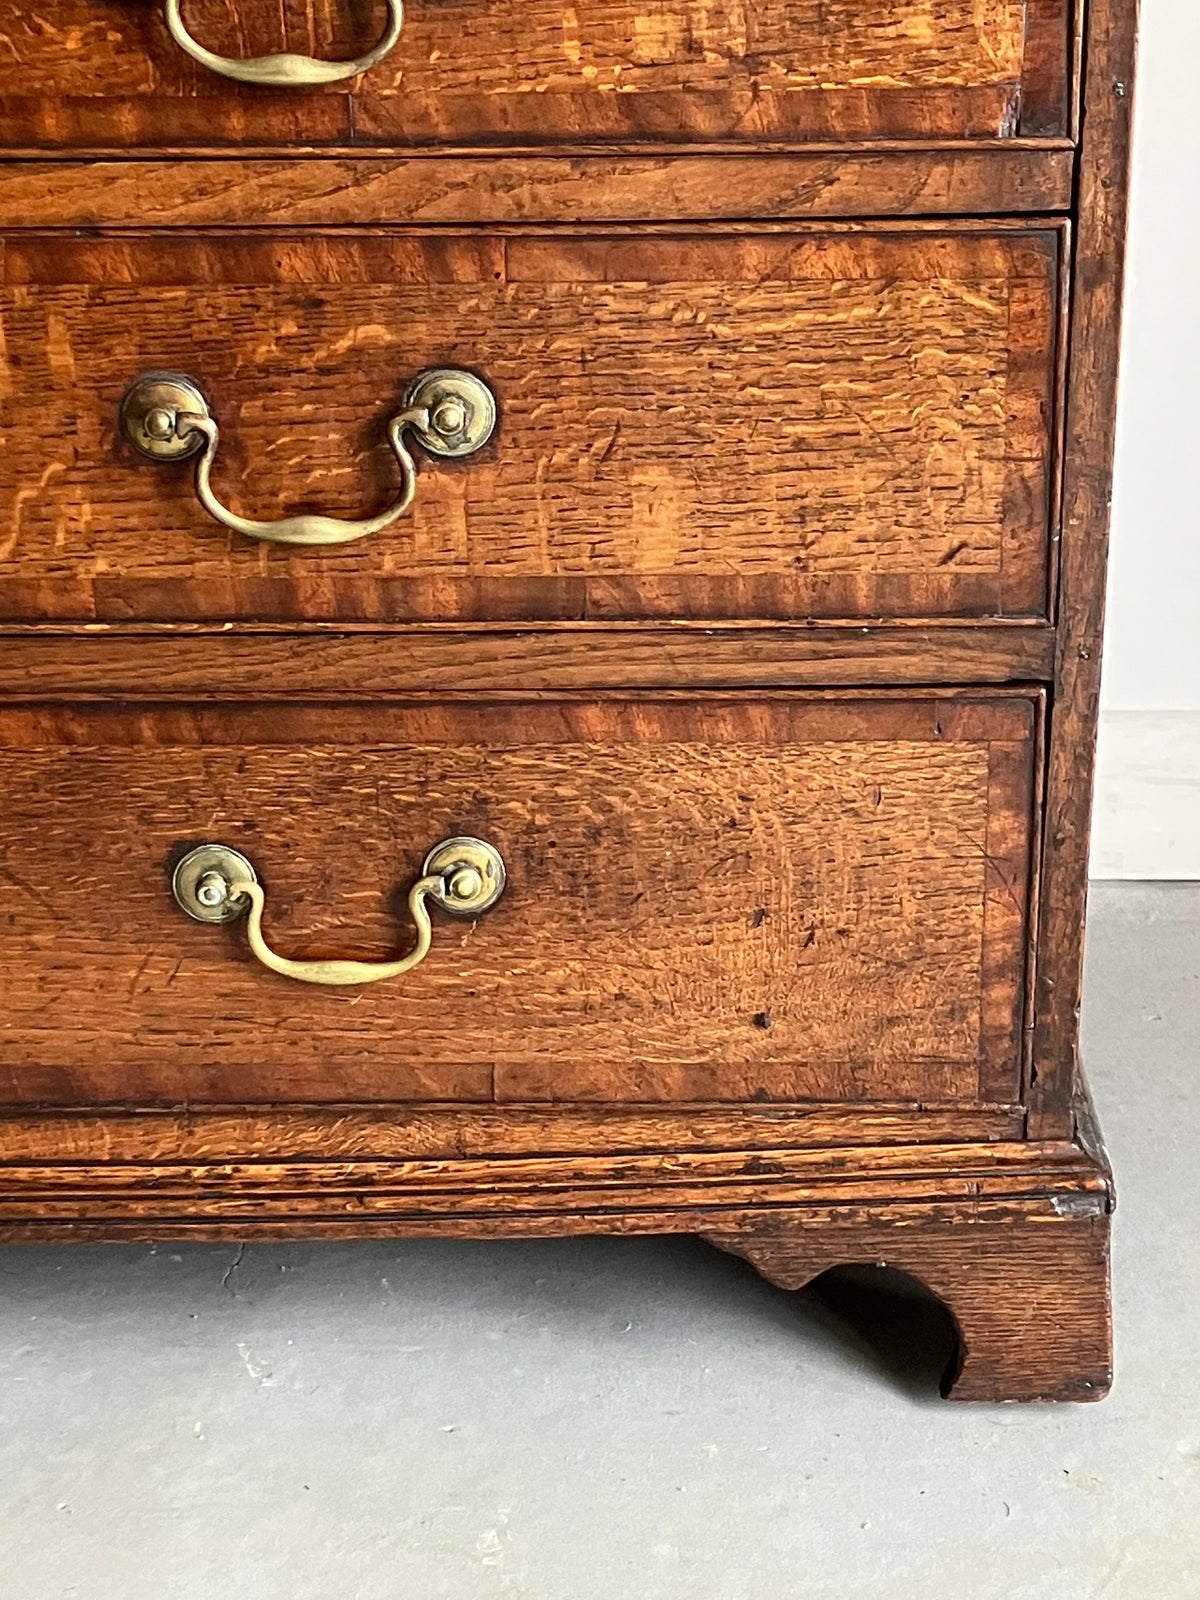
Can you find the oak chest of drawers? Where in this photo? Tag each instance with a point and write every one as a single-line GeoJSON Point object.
{"type": "Point", "coordinates": [550, 603]}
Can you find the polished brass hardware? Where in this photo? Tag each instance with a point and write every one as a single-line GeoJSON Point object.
{"type": "Point", "coordinates": [462, 876]}
{"type": "Point", "coordinates": [202, 880]}
{"type": "Point", "coordinates": [165, 416]}
{"type": "Point", "coordinates": [284, 71]}
{"type": "Point", "coordinates": [149, 412]}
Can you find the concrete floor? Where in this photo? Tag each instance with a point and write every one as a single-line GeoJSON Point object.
{"type": "Point", "coordinates": [599, 1420]}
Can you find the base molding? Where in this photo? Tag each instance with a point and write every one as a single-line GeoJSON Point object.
{"type": "Point", "coordinates": [1011, 1234]}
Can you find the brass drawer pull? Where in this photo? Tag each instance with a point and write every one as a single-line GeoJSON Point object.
{"type": "Point", "coordinates": [165, 416]}
{"type": "Point", "coordinates": [285, 71]}
{"type": "Point", "coordinates": [216, 884]}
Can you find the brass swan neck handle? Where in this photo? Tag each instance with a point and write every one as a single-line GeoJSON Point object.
{"type": "Point", "coordinates": [166, 417]}
{"type": "Point", "coordinates": [283, 71]}
{"type": "Point", "coordinates": [464, 876]}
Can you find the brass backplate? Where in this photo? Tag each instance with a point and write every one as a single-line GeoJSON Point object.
{"type": "Point", "coordinates": [148, 413]}
{"type": "Point", "coordinates": [202, 868]}
{"type": "Point", "coordinates": [472, 874]}
{"type": "Point", "coordinates": [461, 407]}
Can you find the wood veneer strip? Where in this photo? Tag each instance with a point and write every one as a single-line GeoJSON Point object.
{"type": "Point", "coordinates": [324, 191]}
{"type": "Point", "coordinates": [160, 1136]}
{"type": "Point", "coordinates": [361, 665]}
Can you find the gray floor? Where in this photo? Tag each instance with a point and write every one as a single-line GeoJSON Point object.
{"type": "Point", "coordinates": [601, 1420]}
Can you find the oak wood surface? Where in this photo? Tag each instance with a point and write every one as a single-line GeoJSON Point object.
{"type": "Point", "coordinates": [161, 1136]}
{"type": "Point", "coordinates": [1030, 1297]}
{"type": "Point", "coordinates": [1087, 497]}
{"type": "Point", "coordinates": [877, 404]}
{"type": "Point", "coordinates": [401, 1190]}
{"type": "Point", "coordinates": [189, 661]}
{"type": "Point", "coordinates": [796, 896]}
{"type": "Point", "coordinates": [768, 961]}
{"type": "Point", "coordinates": [485, 1186]}
{"type": "Point", "coordinates": [107, 72]}
{"type": "Point", "coordinates": [1013, 1237]}
{"type": "Point", "coordinates": [584, 186]}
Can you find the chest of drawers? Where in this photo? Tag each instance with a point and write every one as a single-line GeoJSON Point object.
{"type": "Point", "coordinates": [550, 602]}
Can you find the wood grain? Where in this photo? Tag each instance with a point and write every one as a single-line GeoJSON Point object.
{"type": "Point", "coordinates": [711, 898]}
{"type": "Point", "coordinates": [779, 966]}
{"type": "Point", "coordinates": [877, 403]}
{"type": "Point", "coordinates": [161, 1136]}
{"type": "Point", "coordinates": [196, 661]}
{"type": "Point", "coordinates": [1030, 1296]}
{"type": "Point", "coordinates": [506, 187]}
{"type": "Point", "coordinates": [1087, 498]}
{"type": "Point", "coordinates": [1012, 1236]}
{"type": "Point", "coordinates": [519, 1185]}
{"type": "Point", "coordinates": [107, 73]}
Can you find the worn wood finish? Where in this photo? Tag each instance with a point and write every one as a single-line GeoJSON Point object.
{"type": "Point", "coordinates": [583, 186]}
{"type": "Point", "coordinates": [403, 1131]}
{"type": "Point", "coordinates": [518, 1186]}
{"type": "Point", "coordinates": [791, 897]}
{"type": "Point", "coordinates": [1029, 1292]}
{"type": "Point", "coordinates": [103, 72]}
{"type": "Point", "coordinates": [755, 436]}
{"type": "Point", "coordinates": [191, 662]}
{"type": "Point", "coordinates": [1012, 1236]}
{"type": "Point", "coordinates": [1087, 498]}
{"type": "Point", "coordinates": [877, 402]}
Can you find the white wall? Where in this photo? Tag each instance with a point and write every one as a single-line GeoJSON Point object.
{"type": "Point", "coordinates": [1147, 821]}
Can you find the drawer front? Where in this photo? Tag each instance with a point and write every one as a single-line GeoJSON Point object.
{"type": "Point", "coordinates": [797, 896]}
{"type": "Point", "coordinates": [852, 421]}
{"type": "Point", "coordinates": [104, 72]}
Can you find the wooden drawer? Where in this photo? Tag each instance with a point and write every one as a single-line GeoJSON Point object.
{"type": "Point", "coordinates": [826, 421]}
{"type": "Point", "coordinates": [106, 72]}
{"type": "Point", "coordinates": [787, 897]}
